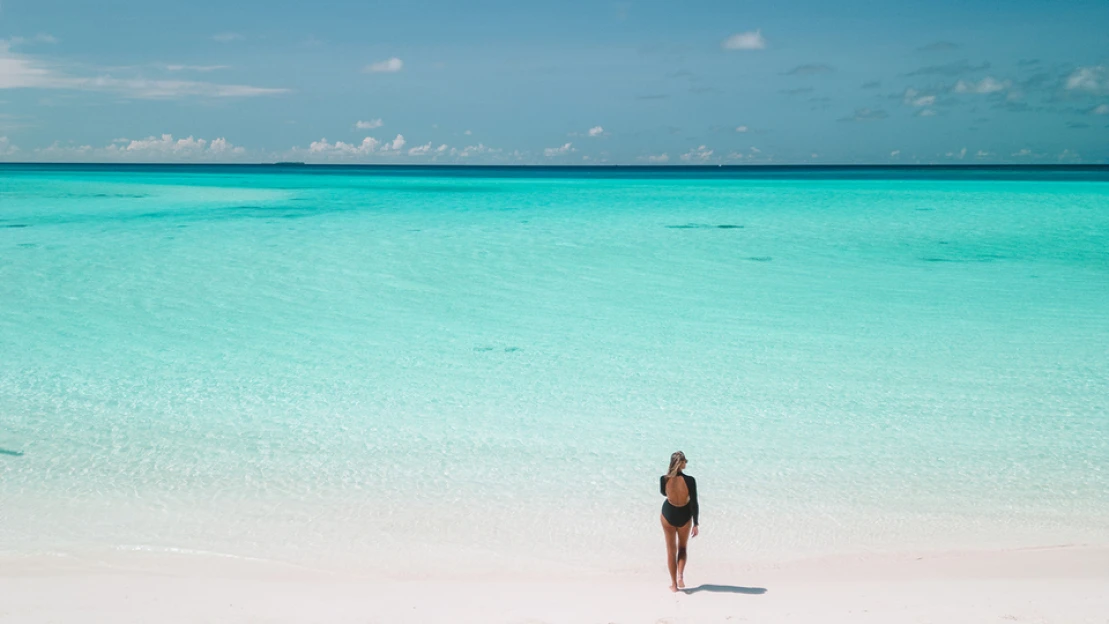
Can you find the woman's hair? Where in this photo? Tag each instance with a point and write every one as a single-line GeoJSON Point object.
{"type": "Point", "coordinates": [676, 461]}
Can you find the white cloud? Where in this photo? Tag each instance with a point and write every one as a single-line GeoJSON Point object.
{"type": "Point", "coordinates": [369, 125]}
{"type": "Point", "coordinates": [423, 150]}
{"type": "Point", "coordinates": [982, 87]}
{"type": "Point", "coordinates": [596, 131]}
{"type": "Point", "coordinates": [741, 129]}
{"type": "Point", "coordinates": [339, 150]}
{"type": "Point", "coordinates": [165, 144]}
{"type": "Point", "coordinates": [1023, 152]}
{"type": "Point", "coordinates": [227, 37]}
{"type": "Point", "coordinates": [387, 66]}
{"type": "Point", "coordinates": [196, 68]}
{"type": "Point", "coordinates": [895, 153]}
{"type": "Point", "coordinates": [475, 150]}
{"type": "Point", "coordinates": [73, 153]}
{"type": "Point", "coordinates": [755, 150]}
{"type": "Point", "coordinates": [6, 147]}
{"type": "Point", "coordinates": [983, 154]}
{"type": "Point", "coordinates": [912, 97]}
{"type": "Point", "coordinates": [750, 40]}
{"type": "Point", "coordinates": [18, 41]}
{"type": "Point", "coordinates": [558, 151]}
{"type": "Point", "coordinates": [1101, 109]}
{"type": "Point", "coordinates": [660, 158]}
{"type": "Point", "coordinates": [322, 147]}
{"type": "Point", "coordinates": [396, 144]}
{"type": "Point", "coordinates": [18, 71]}
{"type": "Point", "coordinates": [1094, 79]}
{"type": "Point", "coordinates": [1069, 156]}
{"type": "Point", "coordinates": [162, 148]}
{"type": "Point", "coordinates": [927, 112]}
{"type": "Point", "coordinates": [170, 89]}
{"type": "Point", "coordinates": [700, 153]}
{"type": "Point", "coordinates": [959, 155]}
{"type": "Point", "coordinates": [468, 132]}
{"type": "Point", "coordinates": [222, 145]}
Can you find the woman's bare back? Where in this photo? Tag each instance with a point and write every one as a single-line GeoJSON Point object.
{"type": "Point", "coordinates": [677, 491]}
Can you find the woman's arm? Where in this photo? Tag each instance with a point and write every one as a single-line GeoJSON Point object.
{"type": "Point", "coordinates": [693, 506]}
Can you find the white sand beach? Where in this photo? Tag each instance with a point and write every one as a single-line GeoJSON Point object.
{"type": "Point", "coordinates": [1064, 584]}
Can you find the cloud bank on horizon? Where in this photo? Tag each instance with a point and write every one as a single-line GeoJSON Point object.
{"type": "Point", "coordinates": [703, 82]}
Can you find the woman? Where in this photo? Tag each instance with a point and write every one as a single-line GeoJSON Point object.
{"type": "Point", "coordinates": [679, 515]}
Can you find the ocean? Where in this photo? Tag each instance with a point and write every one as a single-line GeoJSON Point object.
{"type": "Point", "coordinates": [458, 370]}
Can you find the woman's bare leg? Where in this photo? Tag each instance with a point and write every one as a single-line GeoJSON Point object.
{"type": "Point", "coordinates": [683, 539]}
{"type": "Point", "coordinates": [671, 535]}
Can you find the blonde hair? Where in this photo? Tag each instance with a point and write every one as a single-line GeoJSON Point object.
{"type": "Point", "coordinates": [676, 461]}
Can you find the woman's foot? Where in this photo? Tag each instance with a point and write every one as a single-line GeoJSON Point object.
{"type": "Point", "coordinates": [681, 583]}
{"type": "Point", "coordinates": [674, 588]}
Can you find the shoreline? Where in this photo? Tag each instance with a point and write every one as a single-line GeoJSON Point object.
{"type": "Point", "coordinates": [1040, 584]}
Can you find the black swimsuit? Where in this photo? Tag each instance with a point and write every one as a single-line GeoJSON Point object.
{"type": "Point", "coordinates": [680, 516]}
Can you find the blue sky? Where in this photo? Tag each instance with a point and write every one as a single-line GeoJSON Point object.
{"type": "Point", "coordinates": [565, 82]}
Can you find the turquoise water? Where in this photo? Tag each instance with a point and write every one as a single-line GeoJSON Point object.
{"type": "Point", "coordinates": [332, 367]}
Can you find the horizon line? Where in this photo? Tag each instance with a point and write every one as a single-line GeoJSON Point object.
{"type": "Point", "coordinates": [676, 166]}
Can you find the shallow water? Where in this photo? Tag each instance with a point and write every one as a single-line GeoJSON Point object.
{"type": "Point", "coordinates": [329, 367]}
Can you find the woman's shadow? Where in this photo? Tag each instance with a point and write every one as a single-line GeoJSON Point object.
{"type": "Point", "coordinates": [725, 589]}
